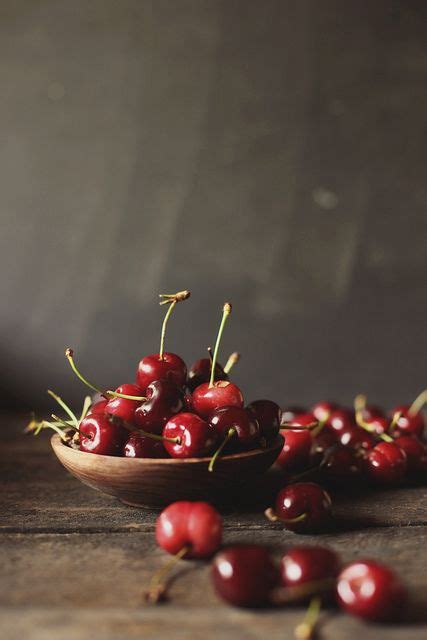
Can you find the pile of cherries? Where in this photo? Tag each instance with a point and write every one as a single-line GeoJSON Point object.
{"type": "Point", "coordinates": [339, 445]}
{"type": "Point", "coordinates": [169, 412]}
{"type": "Point", "coordinates": [246, 575]}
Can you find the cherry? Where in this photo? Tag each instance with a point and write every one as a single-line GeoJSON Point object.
{"type": "Point", "coordinates": [370, 411]}
{"type": "Point", "coordinates": [377, 425]}
{"type": "Point", "coordinates": [408, 424]}
{"type": "Point", "coordinates": [233, 424]}
{"type": "Point", "coordinates": [212, 395]}
{"type": "Point", "coordinates": [340, 419]}
{"type": "Point", "coordinates": [186, 530]}
{"type": "Point", "coordinates": [193, 436]}
{"type": "Point", "coordinates": [295, 455]}
{"type": "Point", "coordinates": [302, 507]}
{"type": "Point", "coordinates": [163, 365]}
{"type": "Point", "coordinates": [356, 438]}
{"type": "Point", "coordinates": [268, 415]}
{"type": "Point", "coordinates": [97, 408]}
{"type": "Point", "coordinates": [416, 453]}
{"type": "Point", "coordinates": [244, 575]}
{"type": "Point", "coordinates": [196, 526]}
{"type": "Point", "coordinates": [124, 408]}
{"type": "Point", "coordinates": [164, 399]}
{"type": "Point", "coordinates": [200, 371]}
{"type": "Point", "coordinates": [322, 410]}
{"type": "Point", "coordinates": [386, 463]}
{"type": "Point", "coordinates": [100, 434]}
{"type": "Point", "coordinates": [138, 446]}
{"type": "Point", "coordinates": [370, 590]}
{"type": "Point", "coordinates": [303, 564]}
{"type": "Point", "coordinates": [341, 463]}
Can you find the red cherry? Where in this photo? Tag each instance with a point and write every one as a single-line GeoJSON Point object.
{"type": "Point", "coordinates": [245, 426]}
{"type": "Point", "coordinates": [370, 590]}
{"type": "Point", "coordinates": [341, 464]}
{"type": "Point", "coordinates": [98, 408]}
{"type": "Point", "coordinates": [323, 409]}
{"type": "Point", "coordinates": [302, 507]}
{"type": "Point", "coordinates": [124, 408]}
{"type": "Point", "coordinates": [408, 424]}
{"type": "Point", "coordinates": [169, 367]}
{"type": "Point", "coordinates": [341, 419]}
{"type": "Point", "coordinates": [268, 415]}
{"type": "Point", "coordinates": [102, 436]}
{"type": "Point", "coordinates": [386, 463]}
{"type": "Point", "coordinates": [370, 411]}
{"type": "Point", "coordinates": [244, 575]}
{"type": "Point", "coordinates": [416, 453]}
{"type": "Point", "coordinates": [196, 526]}
{"type": "Point", "coordinates": [304, 564]}
{"type": "Point", "coordinates": [377, 425]}
{"type": "Point", "coordinates": [289, 413]}
{"type": "Point", "coordinates": [356, 438]}
{"type": "Point", "coordinates": [195, 437]}
{"type": "Point", "coordinates": [207, 399]}
{"type": "Point", "coordinates": [164, 399]}
{"type": "Point", "coordinates": [295, 455]}
{"type": "Point", "coordinates": [142, 447]}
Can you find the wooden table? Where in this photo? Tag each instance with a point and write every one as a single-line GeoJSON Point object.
{"type": "Point", "coordinates": [74, 563]}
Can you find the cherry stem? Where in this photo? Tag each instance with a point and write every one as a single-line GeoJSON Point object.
{"type": "Point", "coordinates": [273, 517]}
{"type": "Point", "coordinates": [395, 420]}
{"type": "Point", "coordinates": [171, 300]}
{"type": "Point", "coordinates": [418, 404]}
{"type": "Point", "coordinates": [68, 426]}
{"type": "Point", "coordinates": [64, 406]}
{"type": "Point", "coordinates": [147, 434]}
{"type": "Point", "coordinates": [157, 590]}
{"type": "Point", "coordinates": [232, 360]}
{"type": "Point", "coordinates": [69, 354]}
{"type": "Point", "coordinates": [225, 313]}
{"type": "Point", "coordinates": [116, 394]}
{"type": "Point", "coordinates": [305, 630]}
{"type": "Point", "coordinates": [229, 435]}
{"type": "Point", "coordinates": [359, 403]}
{"type": "Point", "coordinates": [287, 595]}
{"type": "Point", "coordinates": [86, 406]}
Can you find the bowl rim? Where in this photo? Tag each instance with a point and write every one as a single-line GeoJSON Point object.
{"type": "Point", "coordinates": [58, 445]}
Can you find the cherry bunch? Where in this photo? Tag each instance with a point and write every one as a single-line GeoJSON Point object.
{"type": "Point", "coordinates": [169, 411]}
{"type": "Point", "coordinates": [337, 444]}
{"type": "Point", "coordinates": [246, 575]}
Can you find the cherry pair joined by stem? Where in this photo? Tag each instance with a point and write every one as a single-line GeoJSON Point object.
{"type": "Point", "coordinates": [371, 591]}
{"type": "Point", "coordinates": [163, 365]}
{"type": "Point", "coordinates": [212, 395]}
{"type": "Point", "coordinates": [301, 507]}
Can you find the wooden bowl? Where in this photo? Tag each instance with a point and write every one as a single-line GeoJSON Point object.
{"type": "Point", "coordinates": [150, 482]}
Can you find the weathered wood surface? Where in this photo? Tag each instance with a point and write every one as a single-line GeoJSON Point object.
{"type": "Point", "coordinates": [74, 563]}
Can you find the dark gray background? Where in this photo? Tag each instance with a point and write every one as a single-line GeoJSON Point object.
{"type": "Point", "coordinates": [271, 153]}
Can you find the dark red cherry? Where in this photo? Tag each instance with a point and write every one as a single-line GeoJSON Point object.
{"type": "Point", "coordinates": [341, 419]}
{"type": "Point", "coordinates": [386, 463]}
{"type": "Point", "coordinates": [322, 410]}
{"type": "Point", "coordinates": [322, 441]}
{"type": "Point", "coordinates": [102, 436]}
{"type": "Point", "coordinates": [416, 453]}
{"type": "Point", "coordinates": [370, 590]}
{"type": "Point", "coordinates": [408, 424]}
{"type": "Point", "coordinates": [371, 411]}
{"type": "Point", "coordinates": [169, 367]}
{"type": "Point", "coordinates": [289, 413]}
{"type": "Point", "coordinates": [196, 526]}
{"type": "Point", "coordinates": [98, 408]}
{"type": "Point", "coordinates": [200, 372]}
{"type": "Point", "coordinates": [207, 399]}
{"type": "Point", "coordinates": [302, 507]}
{"type": "Point", "coordinates": [341, 464]}
{"type": "Point", "coordinates": [195, 437]}
{"type": "Point", "coordinates": [243, 422]}
{"type": "Point", "coordinates": [124, 408]}
{"type": "Point", "coordinates": [142, 447]}
{"type": "Point", "coordinates": [164, 400]}
{"type": "Point", "coordinates": [304, 564]}
{"type": "Point", "coordinates": [356, 438]}
{"type": "Point", "coordinates": [268, 415]}
{"type": "Point", "coordinates": [295, 455]}
{"type": "Point", "coordinates": [244, 575]}
{"type": "Point", "coordinates": [377, 425]}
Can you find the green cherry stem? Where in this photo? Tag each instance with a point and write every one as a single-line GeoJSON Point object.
{"type": "Point", "coordinates": [232, 360]}
{"type": "Point", "coordinates": [65, 424]}
{"type": "Point", "coordinates": [64, 406]}
{"type": "Point", "coordinates": [115, 394]}
{"type": "Point", "coordinates": [306, 629]}
{"type": "Point", "coordinates": [147, 434]}
{"type": "Point", "coordinates": [157, 589]}
{"type": "Point", "coordinates": [229, 435]}
{"type": "Point", "coordinates": [418, 403]}
{"type": "Point", "coordinates": [271, 515]}
{"type": "Point", "coordinates": [365, 425]}
{"type": "Point", "coordinates": [225, 313]}
{"type": "Point", "coordinates": [395, 420]}
{"type": "Point", "coordinates": [171, 300]}
{"type": "Point", "coordinates": [86, 406]}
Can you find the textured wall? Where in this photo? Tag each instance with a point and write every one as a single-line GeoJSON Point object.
{"type": "Point", "coordinates": [271, 153]}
